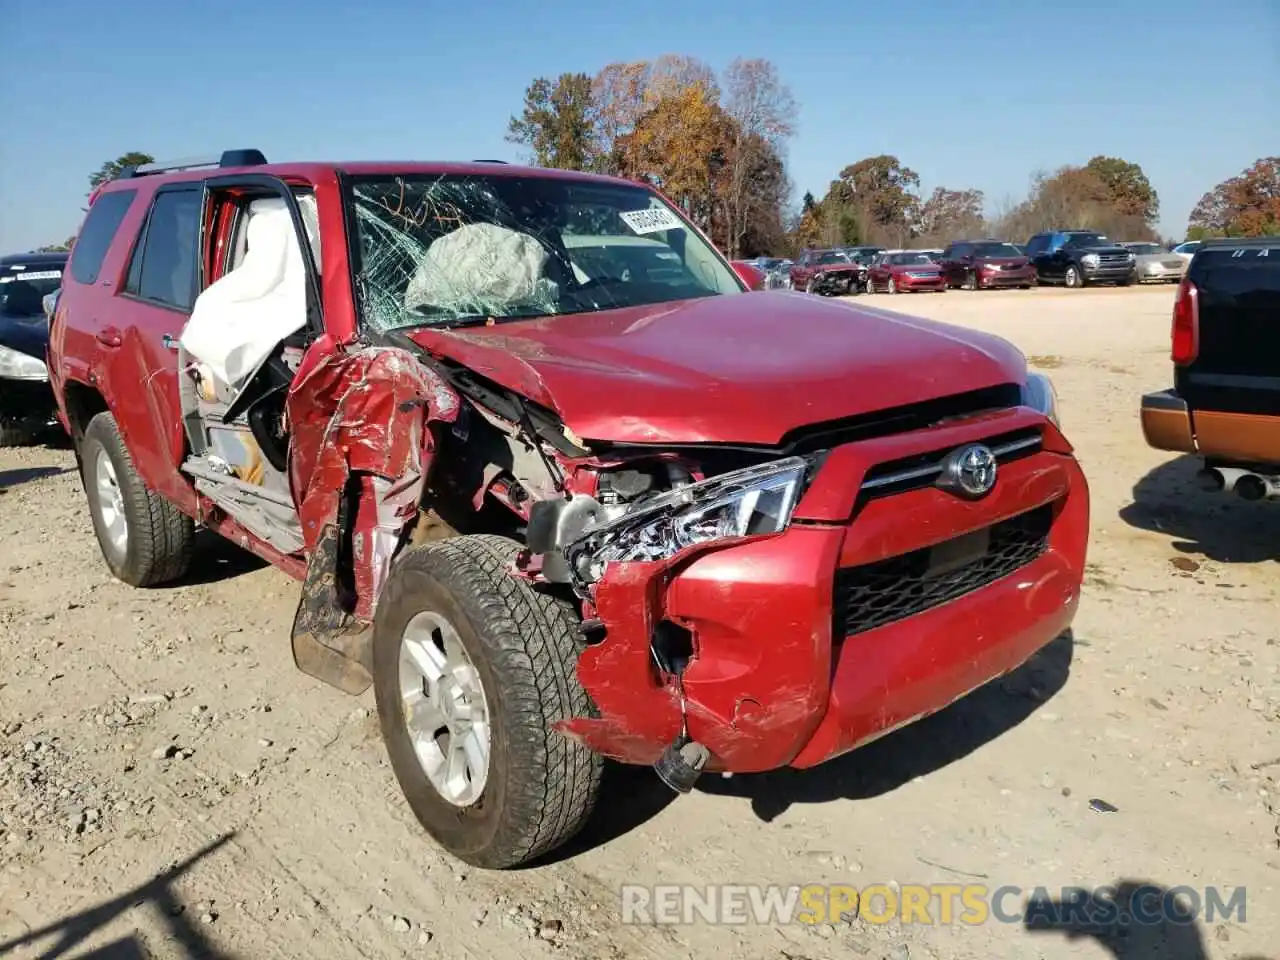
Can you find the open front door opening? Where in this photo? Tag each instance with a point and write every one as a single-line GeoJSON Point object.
{"type": "Point", "coordinates": [238, 354]}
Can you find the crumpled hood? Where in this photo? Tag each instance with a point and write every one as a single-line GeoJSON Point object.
{"type": "Point", "coordinates": [738, 368]}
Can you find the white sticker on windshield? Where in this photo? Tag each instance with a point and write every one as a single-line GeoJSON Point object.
{"type": "Point", "coordinates": [651, 220]}
{"type": "Point", "coordinates": [38, 275]}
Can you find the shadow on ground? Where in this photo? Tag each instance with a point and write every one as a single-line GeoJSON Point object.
{"type": "Point", "coordinates": [918, 749]}
{"type": "Point", "coordinates": [633, 795]}
{"type": "Point", "coordinates": [20, 475]}
{"type": "Point", "coordinates": [185, 938]}
{"type": "Point", "coordinates": [1219, 526]}
{"type": "Point", "coordinates": [216, 559]}
{"type": "Point", "coordinates": [1131, 920]}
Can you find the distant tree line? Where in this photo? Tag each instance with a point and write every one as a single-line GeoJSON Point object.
{"type": "Point", "coordinates": [717, 147]}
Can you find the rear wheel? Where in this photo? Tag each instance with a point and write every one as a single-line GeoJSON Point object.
{"type": "Point", "coordinates": [472, 668]}
{"type": "Point", "coordinates": [145, 539]}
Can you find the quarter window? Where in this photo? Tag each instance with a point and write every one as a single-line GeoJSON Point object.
{"type": "Point", "coordinates": [97, 232]}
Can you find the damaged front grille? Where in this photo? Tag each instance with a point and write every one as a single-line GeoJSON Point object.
{"type": "Point", "coordinates": [922, 470]}
{"type": "Point", "coordinates": [917, 416]}
{"type": "Point", "coordinates": [876, 594]}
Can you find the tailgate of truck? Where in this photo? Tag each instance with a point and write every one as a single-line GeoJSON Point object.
{"type": "Point", "coordinates": [1238, 365]}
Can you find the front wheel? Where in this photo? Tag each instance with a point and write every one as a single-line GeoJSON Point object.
{"type": "Point", "coordinates": [472, 668]}
{"type": "Point", "coordinates": [891, 286]}
{"type": "Point", "coordinates": [812, 286]}
{"type": "Point", "coordinates": [1072, 278]}
{"type": "Point", "coordinates": [970, 281]}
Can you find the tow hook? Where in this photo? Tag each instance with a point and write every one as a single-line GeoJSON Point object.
{"type": "Point", "coordinates": [684, 759]}
{"type": "Point", "coordinates": [681, 763]}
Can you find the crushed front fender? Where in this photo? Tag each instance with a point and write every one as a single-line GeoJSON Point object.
{"type": "Point", "coordinates": [361, 451]}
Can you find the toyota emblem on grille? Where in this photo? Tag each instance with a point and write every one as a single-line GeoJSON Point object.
{"type": "Point", "coordinates": [969, 471]}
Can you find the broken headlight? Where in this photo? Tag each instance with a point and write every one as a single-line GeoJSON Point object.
{"type": "Point", "coordinates": [745, 503]}
{"type": "Point", "coordinates": [1039, 394]}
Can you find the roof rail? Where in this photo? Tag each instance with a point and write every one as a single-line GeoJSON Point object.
{"type": "Point", "coordinates": [488, 161]}
{"type": "Point", "coordinates": [228, 158]}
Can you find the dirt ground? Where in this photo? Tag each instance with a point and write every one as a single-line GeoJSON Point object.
{"type": "Point", "coordinates": [171, 786]}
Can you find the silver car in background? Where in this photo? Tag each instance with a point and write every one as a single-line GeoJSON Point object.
{"type": "Point", "coordinates": [777, 272]}
{"type": "Point", "coordinates": [1153, 264]}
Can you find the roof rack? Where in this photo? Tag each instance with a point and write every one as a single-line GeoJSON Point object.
{"type": "Point", "coordinates": [228, 158]}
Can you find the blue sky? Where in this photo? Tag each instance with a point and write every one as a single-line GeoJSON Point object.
{"type": "Point", "coordinates": [969, 94]}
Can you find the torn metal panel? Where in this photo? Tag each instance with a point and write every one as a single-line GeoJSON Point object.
{"type": "Point", "coordinates": [361, 412]}
{"type": "Point", "coordinates": [360, 425]}
{"type": "Point", "coordinates": [639, 712]}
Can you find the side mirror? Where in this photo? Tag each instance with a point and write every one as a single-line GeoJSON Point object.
{"type": "Point", "coordinates": [749, 274]}
{"type": "Point", "coordinates": [50, 303]}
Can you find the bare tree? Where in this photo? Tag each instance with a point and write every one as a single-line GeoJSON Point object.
{"type": "Point", "coordinates": [763, 111]}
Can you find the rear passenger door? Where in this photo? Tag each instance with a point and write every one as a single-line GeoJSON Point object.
{"type": "Point", "coordinates": [159, 289]}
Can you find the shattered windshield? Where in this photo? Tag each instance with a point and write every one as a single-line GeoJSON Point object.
{"type": "Point", "coordinates": [444, 250]}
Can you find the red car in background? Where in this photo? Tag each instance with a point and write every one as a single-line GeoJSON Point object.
{"type": "Point", "coordinates": [983, 264]}
{"type": "Point", "coordinates": [825, 272]}
{"type": "Point", "coordinates": [910, 271]}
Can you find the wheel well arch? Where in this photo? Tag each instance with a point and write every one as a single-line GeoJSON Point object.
{"type": "Point", "coordinates": [82, 403]}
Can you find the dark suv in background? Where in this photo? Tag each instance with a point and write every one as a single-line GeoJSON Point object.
{"type": "Point", "coordinates": [1076, 258]}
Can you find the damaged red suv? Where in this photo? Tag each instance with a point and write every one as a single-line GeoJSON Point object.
{"type": "Point", "coordinates": [552, 485]}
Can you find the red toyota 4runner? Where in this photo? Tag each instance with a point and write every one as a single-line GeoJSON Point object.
{"type": "Point", "coordinates": [553, 481]}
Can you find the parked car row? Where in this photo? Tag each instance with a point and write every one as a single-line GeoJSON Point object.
{"type": "Point", "coordinates": [1071, 258]}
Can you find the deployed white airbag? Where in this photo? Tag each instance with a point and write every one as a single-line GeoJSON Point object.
{"type": "Point", "coordinates": [481, 268]}
{"type": "Point", "coordinates": [241, 317]}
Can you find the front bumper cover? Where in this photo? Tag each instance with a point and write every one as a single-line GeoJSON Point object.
{"type": "Point", "coordinates": [769, 684]}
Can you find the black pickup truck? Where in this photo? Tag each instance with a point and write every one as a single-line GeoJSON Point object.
{"type": "Point", "coordinates": [1225, 401]}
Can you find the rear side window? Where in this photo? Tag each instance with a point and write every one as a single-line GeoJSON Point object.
{"type": "Point", "coordinates": [163, 269]}
{"type": "Point", "coordinates": [97, 232]}
{"type": "Point", "coordinates": [1237, 271]}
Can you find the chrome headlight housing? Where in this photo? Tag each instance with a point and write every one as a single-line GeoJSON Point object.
{"type": "Point", "coordinates": [19, 366]}
{"type": "Point", "coordinates": [1090, 259]}
{"type": "Point", "coordinates": [1039, 394]}
{"type": "Point", "coordinates": [755, 501]}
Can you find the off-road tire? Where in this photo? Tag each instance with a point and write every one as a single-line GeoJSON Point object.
{"type": "Point", "coordinates": [541, 786]}
{"type": "Point", "coordinates": [161, 538]}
